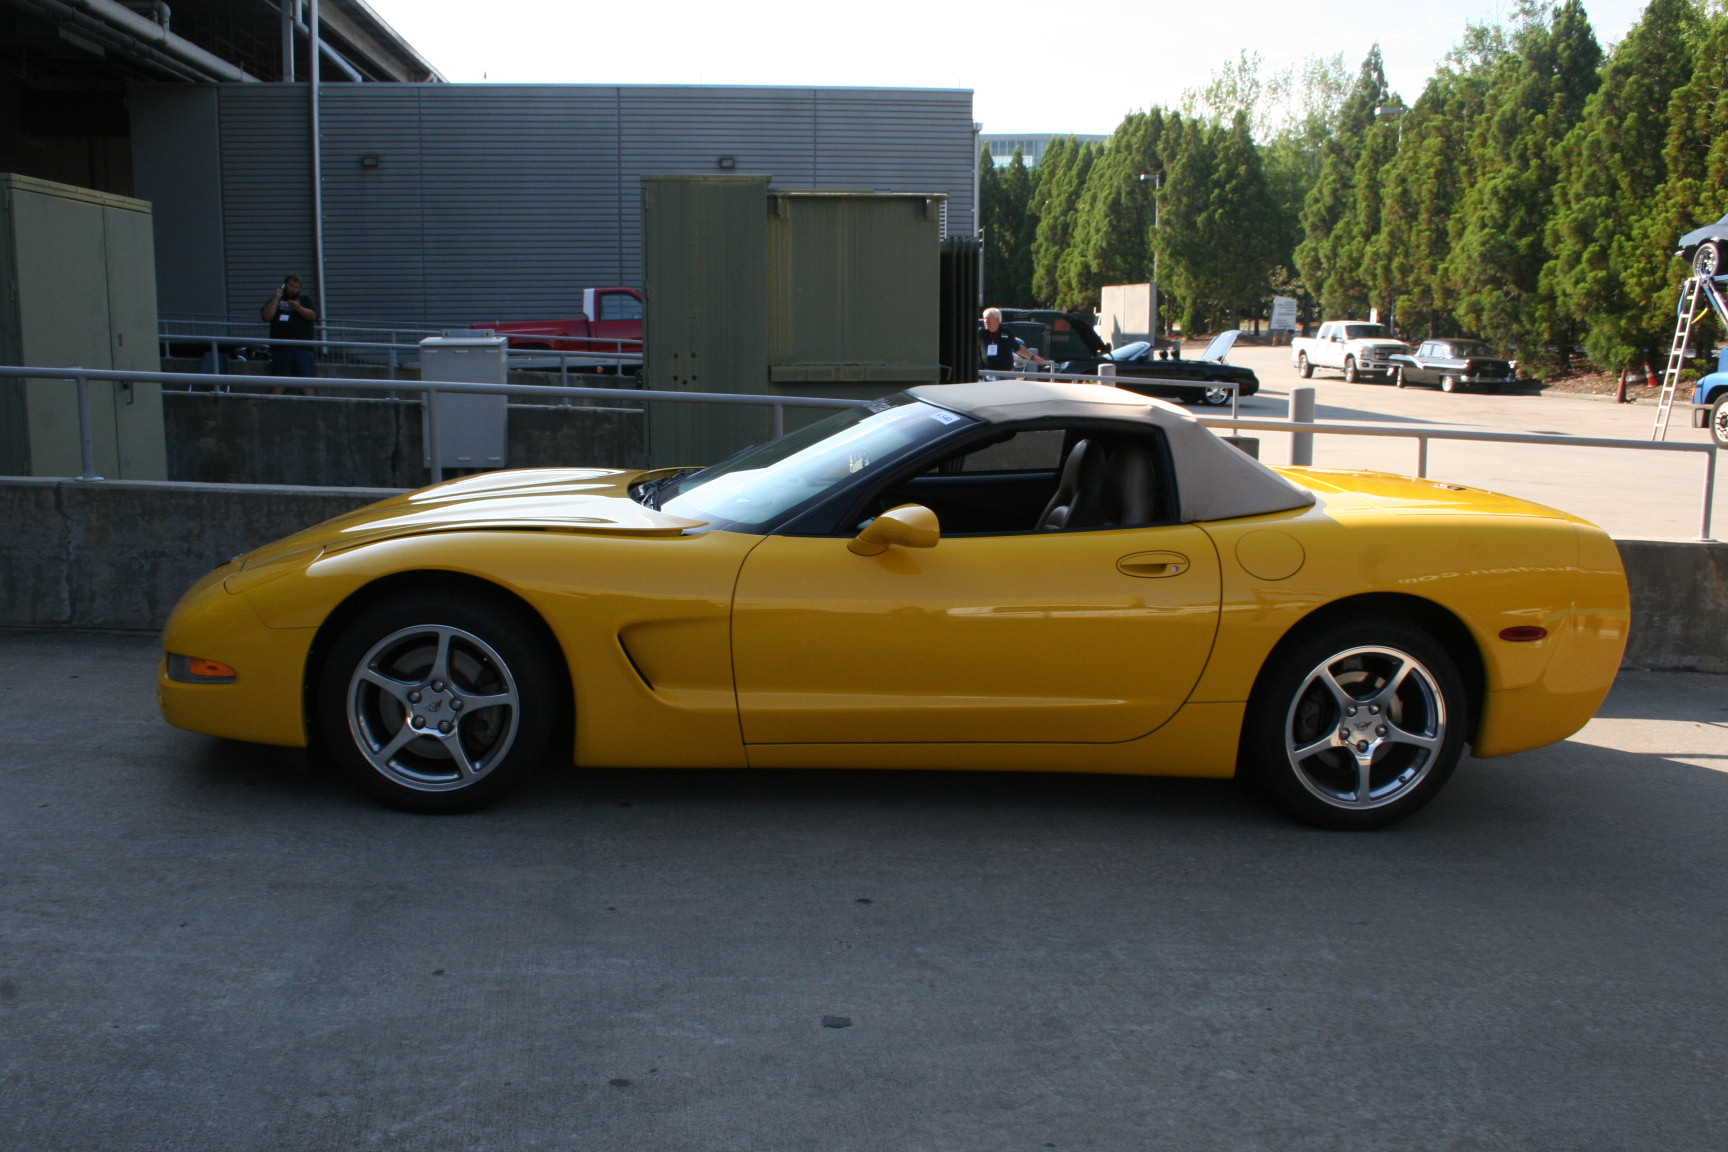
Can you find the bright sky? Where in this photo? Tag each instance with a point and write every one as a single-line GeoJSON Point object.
{"type": "Point", "coordinates": [1035, 67]}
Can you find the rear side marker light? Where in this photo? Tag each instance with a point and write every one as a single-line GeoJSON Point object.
{"type": "Point", "coordinates": [1524, 632]}
{"type": "Point", "coordinates": [194, 670]}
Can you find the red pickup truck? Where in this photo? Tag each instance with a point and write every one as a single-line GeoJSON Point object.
{"type": "Point", "coordinates": [610, 324]}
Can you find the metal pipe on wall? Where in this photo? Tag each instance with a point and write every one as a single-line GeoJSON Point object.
{"type": "Point", "coordinates": [317, 165]}
{"type": "Point", "coordinates": [152, 35]}
{"type": "Point", "coordinates": [290, 21]}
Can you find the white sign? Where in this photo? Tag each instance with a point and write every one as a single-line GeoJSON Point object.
{"type": "Point", "coordinates": [1283, 313]}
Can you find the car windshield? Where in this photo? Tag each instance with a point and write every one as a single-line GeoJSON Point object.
{"type": "Point", "coordinates": [1366, 332]}
{"type": "Point", "coordinates": [1466, 348]}
{"type": "Point", "coordinates": [759, 486]}
{"type": "Point", "coordinates": [1130, 351]}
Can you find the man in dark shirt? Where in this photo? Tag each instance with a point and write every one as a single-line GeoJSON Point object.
{"type": "Point", "coordinates": [292, 315]}
{"type": "Point", "coordinates": [998, 348]}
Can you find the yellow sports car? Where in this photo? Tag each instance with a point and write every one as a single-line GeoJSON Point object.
{"type": "Point", "coordinates": [1006, 575]}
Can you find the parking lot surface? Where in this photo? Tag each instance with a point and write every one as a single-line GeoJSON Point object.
{"type": "Point", "coordinates": [208, 945]}
{"type": "Point", "coordinates": [1630, 493]}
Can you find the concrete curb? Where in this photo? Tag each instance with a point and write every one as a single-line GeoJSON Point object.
{"type": "Point", "coordinates": [119, 553]}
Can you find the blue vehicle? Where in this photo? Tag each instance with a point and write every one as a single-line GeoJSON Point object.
{"type": "Point", "coordinates": [1713, 390]}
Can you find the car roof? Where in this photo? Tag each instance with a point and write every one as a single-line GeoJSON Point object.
{"type": "Point", "coordinates": [1216, 481]}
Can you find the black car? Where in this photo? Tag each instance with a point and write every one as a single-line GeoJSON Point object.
{"type": "Point", "coordinates": [1054, 334]}
{"type": "Point", "coordinates": [1702, 248]}
{"type": "Point", "coordinates": [1452, 364]}
{"type": "Point", "coordinates": [1141, 359]}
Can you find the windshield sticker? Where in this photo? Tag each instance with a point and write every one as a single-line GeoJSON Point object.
{"type": "Point", "coordinates": [857, 460]}
{"type": "Point", "coordinates": [945, 417]}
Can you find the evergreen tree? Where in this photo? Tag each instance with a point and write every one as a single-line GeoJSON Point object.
{"type": "Point", "coordinates": [1324, 256]}
{"type": "Point", "coordinates": [1004, 198]}
{"type": "Point", "coordinates": [1696, 158]}
{"type": "Point", "coordinates": [1112, 234]}
{"type": "Point", "coordinates": [1218, 234]}
{"type": "Point", "coordinates": [1602, 272]}
{"type": "Point", "coordinates": [1498, 251]}
{"type": "Point", "coordinates": [1061, 182]}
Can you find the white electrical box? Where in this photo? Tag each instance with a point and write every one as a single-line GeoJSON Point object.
{"type": "Point", "coordinates": [471, 429]}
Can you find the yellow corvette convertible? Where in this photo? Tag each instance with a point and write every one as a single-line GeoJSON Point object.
{"type": "Point", "coordinates": [1008, 575]}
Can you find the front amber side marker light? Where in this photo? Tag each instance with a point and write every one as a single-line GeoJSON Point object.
{"type": "Point", "coordinates": [195, 670]}
{"type": "Point", "coordinates": [1524, 632]}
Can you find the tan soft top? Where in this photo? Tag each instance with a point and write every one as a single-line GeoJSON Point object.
{"type": "Point", "coordinates": [1216, 481]}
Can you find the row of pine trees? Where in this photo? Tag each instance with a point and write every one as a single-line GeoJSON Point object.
{"type": "Point", "coordinates": [1531, 195]}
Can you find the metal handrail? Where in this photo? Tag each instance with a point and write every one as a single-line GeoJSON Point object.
{"type": "Point", "coordinates": [81, 378]}
{"type": "Point", "coordinates": [1422, 435]}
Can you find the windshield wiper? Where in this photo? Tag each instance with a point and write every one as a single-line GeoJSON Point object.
{"type": "Point", "coordinates": [648, 495]}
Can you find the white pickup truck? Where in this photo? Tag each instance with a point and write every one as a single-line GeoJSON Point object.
{"type": "Point", "coordinates": [1354, 347]}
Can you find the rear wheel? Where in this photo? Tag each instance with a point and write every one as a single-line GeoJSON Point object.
{"type": "Point", "coordinates": [1215, 397]}
{"type": "Point", "coordinates": [1357, 726]}
{"type": "Point", "coordinates": [1707, 259]}
{"type": "Point", "coordinates": [438, 701]}
{"type": "Point", "coordinates": [1350, 373]}
{"type": "Point", "coordinates": [1303, 367]}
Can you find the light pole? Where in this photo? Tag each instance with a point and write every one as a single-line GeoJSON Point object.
{"type": "Point", "coordinates": [1157, 185]}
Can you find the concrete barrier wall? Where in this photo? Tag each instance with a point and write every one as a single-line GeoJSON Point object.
{"type": "Point", "coordinates": [118, 554]}
{"type": "Point", "coordinates": [230, 438]}
{"type": "Point", "coordinates": [1679, 604]}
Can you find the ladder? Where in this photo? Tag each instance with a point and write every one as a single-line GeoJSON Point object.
{"type": "Point", "coordinates": [1687, 314]}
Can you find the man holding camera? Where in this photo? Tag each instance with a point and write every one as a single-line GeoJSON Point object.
{"type": "Point", "coordinates": [292, 315]}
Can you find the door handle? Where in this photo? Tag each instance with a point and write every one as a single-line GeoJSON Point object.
{"type": "Point", "coordinates": [1152, 565]}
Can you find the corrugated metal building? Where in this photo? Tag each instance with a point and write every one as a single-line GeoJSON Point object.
{"type": "Point", "coordinates": [460, 203]}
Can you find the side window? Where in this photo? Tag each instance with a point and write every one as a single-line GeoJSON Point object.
{"type": "Point", "coordinates": [619, 306]}
{"type": "Point", "coordinates": [1425, 350]}
{"type": "Point", "coordinates": [1039, 480]}
{"type": "Point", "coordinates": [1039, 451]}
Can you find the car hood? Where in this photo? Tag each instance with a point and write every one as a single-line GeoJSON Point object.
{"type": "Point", "coordinates": [1221, 345]}
{"type": "Point", "coordinates": [577, 500]}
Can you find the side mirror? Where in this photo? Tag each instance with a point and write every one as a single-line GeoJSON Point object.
{"type": "Point", "coordinates": [910, 526]}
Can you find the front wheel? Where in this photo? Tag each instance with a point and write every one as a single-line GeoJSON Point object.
{"type": "Point", "coordinates": [438, 702]}
{"type": "Point", "coordinates": [1719, 421]}
{"type": "Point", "coordinates": [1707, 259]}
{"type": "Point", "coordinates": [1350, 373]}
{"type": "Point", "coordinates": [1303, 367]}
{"type": "Point", "coordinates": [1398, 377]}
{"type": "Point", "coordinates": [1357, 726]}
{"type": "Point", "coordinates": [1448, 383]}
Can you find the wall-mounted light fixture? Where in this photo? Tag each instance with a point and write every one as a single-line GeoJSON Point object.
{"type": "Point", "coordinates": [727, 163]}
{"type": "Point", "coordinates": [370, 160]}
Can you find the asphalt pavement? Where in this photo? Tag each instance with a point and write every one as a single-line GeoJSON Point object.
{"type": "Point", "coordinates": [1631, 493]}
{"type": "Point", "coordinates": [208, 945]}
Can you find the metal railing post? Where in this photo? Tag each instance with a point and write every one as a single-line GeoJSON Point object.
{"type": "Point", "coordinates": [1709, 492]}
{"type": "Point", "coordinates": [1302, 412]}
{"type": "Point", "coordinates": [1422, 457]}
{"type": "Point", "coordinates": [779, 421]}
{"type": "Point", "coordinates": [86, 440]}
{"type": "Point", "coordinates": [1107, 369]}
{"type": "Point", "coordinates": [434, 444]}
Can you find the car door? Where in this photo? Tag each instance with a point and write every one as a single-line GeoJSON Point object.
{"type": "Point", "coordinates": [1422, 373]}
{"type": "Point", "coordinates": [1005, 636]}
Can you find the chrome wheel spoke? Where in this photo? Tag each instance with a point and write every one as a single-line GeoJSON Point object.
{"type": "Point", "coordinates": [397, 688]}
{"type": "Point", "coordinates": [460, 754]}
{"type": "Point", "coordinates": [1364, 779]}
{"type": "Point", "coordinates": [475, 703]}
{"type": "Point", "coordinates": [1325, 743]}
{"type": "Point", "coordinates": [1397, 735]}
{"type": "Point", "coordinates": [441, 658]}
{"type": "Point", "coordinates": [396, 744]}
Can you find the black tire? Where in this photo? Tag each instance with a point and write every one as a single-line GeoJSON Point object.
{"type": "Point", "coordinates": [1215, 397]}
{"type": "Point", "coordinates": [1398, 377]}
{"type": "Point", "coordinates": [1293, 744]}
{"type": "Point", "coordinates": [1351, 375]}
{"type": "Point", "coordinates": [1448, 383]}
{"type": "Point", "coordinates": [1707, 259]}
{"type": "Point", "coordinates": [1303, 367]}
{"type": "Point", "coordinates": [1719, 421]}
{"type": "Point", "coordinates": [1191, 396]}
{"type": "Point", "coordinates": [382, 675]}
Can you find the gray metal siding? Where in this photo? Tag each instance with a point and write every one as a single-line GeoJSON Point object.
{"type": "Point", "coordinates": [504, 201]}
{"type": "Point", "coordinates": [266, 192]}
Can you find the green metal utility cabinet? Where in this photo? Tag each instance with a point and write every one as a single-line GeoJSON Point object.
{"type": "Point", "coordinates": [752, 289]}
{"type": "Point", "coordinates": [77, 289]}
